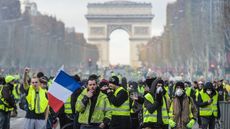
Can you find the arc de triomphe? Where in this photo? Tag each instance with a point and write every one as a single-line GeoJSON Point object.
{"type": "Point", "coordinates": [104, 18]}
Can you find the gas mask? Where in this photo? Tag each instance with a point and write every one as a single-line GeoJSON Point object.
{"type": "Point", "coordinates": [159, 90]}
{"type": "Point", "coordinates": [179, 92]}
{"type": "Point", "coordinates": [209, 92]}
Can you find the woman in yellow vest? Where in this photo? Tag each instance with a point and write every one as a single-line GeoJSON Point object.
{"type": "Point", "coordinates": [183, 112]}
{"type": "Point", "coordinates": [155, 108]}
{"type": "Point", "coordinates": [208, 103]}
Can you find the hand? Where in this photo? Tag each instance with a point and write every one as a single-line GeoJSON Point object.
{"type": "Point", "coordinates": [89, 94]}
{"type": "Point", "coordinates": [158, 97]}
{"type": "Point", "coordinates": [102, 125]}
{"type": "Point", "coordinates": [109, 91]}
{"type": "Point", "coordinates": [133, 97]}
{"type": "Point", "coordinates": [27, 70]}
{"type": "Point", "coordinates": [104, 88]}
{"type": "Point", "coordinates": [191, 123]}
{"type": "Point", "coordinates": [210, 101]}
{"type": "Point", "coordinates": [146, 88]}
{"type": "Point", "coordinates": [172, 123]}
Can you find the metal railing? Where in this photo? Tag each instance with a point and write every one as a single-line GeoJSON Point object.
{"type": "Point", "coordinates": [225, 114]}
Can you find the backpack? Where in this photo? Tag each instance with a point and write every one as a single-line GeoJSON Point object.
{"type": "Point", "coordinates": [23, 102]}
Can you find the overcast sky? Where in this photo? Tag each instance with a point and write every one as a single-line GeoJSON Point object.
{"type": "Point", "coordinates": [72, 13]}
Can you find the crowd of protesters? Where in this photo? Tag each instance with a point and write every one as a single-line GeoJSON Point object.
{"type": "Point", "coordinates": [114, 103]}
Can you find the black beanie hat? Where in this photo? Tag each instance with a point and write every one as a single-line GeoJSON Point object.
{"type": "Point", "coordinates": [114, 80]}
{"type": "Point", "coordinates": [103, 83]}
{"type": "Point", "coordinates": [181, 84]}
{"type": "Point", "coordinates": [208, 85]}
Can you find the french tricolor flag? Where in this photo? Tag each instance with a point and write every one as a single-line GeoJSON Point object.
{"type": "Point", "coordinates": [62, 88]}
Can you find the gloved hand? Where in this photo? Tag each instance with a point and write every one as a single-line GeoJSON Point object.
{"type": "Point", "coordinates": [172, 123]}
{"type": "Point", "coordinates": [190, 123]}
{"type": "Point", "coordinates": [159, 98]}
{"type": "Point", "coordinates": [210, 101]}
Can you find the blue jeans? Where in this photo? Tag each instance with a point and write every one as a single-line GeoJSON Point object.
{"type": "Point", "coordinates": [207, 122]}
{"type": "Point", "coordinates": [4, 120]}
{"type": "Point", "coordinates": [93, 127]}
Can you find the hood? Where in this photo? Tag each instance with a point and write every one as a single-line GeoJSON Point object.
{"type": "Point", "coordinates": [154, 84]}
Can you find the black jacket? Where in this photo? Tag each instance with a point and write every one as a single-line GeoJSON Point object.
{"type": "Point", "coordinates": [119, 122]}
{"type": "Point", "coordinates": [156, 106]}
{"type": "Point", "coordinates": [201, 103]}
{"type": "Point", "coordinates": [8, 96]}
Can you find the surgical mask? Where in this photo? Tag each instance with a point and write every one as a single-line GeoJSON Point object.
{"type": "Point", "coordinates": [179, 92]}
{"type": "Point", "coordinates": [209, 92]}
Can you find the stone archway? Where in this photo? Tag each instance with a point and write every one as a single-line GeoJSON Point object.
{"type": "Point", "coordinates": [104, 18]}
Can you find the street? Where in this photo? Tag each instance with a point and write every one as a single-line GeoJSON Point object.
{"type": "Point", "coordinates": [18, 122]}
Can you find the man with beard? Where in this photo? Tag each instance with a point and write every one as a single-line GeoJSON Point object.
{"type": "Point", "coordinates": [93, 107]}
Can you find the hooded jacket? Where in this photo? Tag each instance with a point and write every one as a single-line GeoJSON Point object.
{"type": "Point", "coordinates": [202, 103]}
{"type": "Point", "coordinates": [8, 96]}
{"type": "Point", "coordinates": [157, 105]}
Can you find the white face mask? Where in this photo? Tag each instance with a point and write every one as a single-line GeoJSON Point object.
{"type": "Point", "coordinates": [179, 92]}
{"type": "Point", "coordinates": [159, 89]}
{"type": "Point", "coordinates": [209, 92]}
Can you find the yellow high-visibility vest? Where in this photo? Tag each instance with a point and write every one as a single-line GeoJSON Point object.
{"type": "Point", "coordinates": [37, 104]}
{"type": "Point", "coordinates": [210, 109]}
{"type": "Point", "coordinates": [152, 118]}
{"type": "Point", "coordinates": [67, 106]}
{"type": "Point", "coordinates": [102, 109]}
{"type": "Point", "coordinates": [3, 104]}
{"type": "Point", "coordinates": [124, 109]}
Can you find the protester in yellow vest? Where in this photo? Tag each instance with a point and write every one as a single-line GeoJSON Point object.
{"type": "Point", "coordinates": [7, 102]}
{"type": "Point", "coordinates": [16, 91]}
{"type": "Point", "coordinates": [37, 113]}
{"type": "Point", "coordinates": [93, 107]}
{"type": "Point", "coordinates": [120, 105]}
{"type": "Point", "coordinates": [183, 112]}
{"type": "Point", "coordinates": [156, 107]}
{"type": "Point", "coordinates": [208, 103]}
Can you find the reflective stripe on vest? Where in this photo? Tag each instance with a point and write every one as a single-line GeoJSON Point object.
{"type": "Point", "coordinates": [101, 110]}
{"type": "Point", "coordinates": [3, 104]}
{"type": "Point", "coordinates": [188, 91]}
{"type": "Point", "coordinates": [16, 91]}
{"type": "Point", "coordinates": [68, 109]}
{"type": "Point", "coordinates": [211, 108]}
{"type": "Point", "coordinates": [124, 109]}
{"type": "Point", "coordinates": [37, 102]}
{"type": "Point", "coordinates": [148, 117]}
